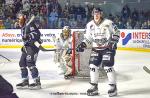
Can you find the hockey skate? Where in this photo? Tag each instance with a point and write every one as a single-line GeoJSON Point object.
{"type": "Point", "coordinates": [93, 91]}
{"type": "Point", "coordinates": [68, 76]}
{"type": "Point", "coordinates": [113, 90]}
{"type": "Point", "coordinates": [23, 85]}
{"type": "Point", "coordinates": [36, 85]}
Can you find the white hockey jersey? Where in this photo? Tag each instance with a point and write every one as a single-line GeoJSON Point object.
{"type": "Point", "coordinates": [100, 35]}
{"type": "Point", "coordinates": [63, 44]}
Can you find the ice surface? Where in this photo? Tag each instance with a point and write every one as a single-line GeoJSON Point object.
{"type": "Point", "coordinates": [132, 81]}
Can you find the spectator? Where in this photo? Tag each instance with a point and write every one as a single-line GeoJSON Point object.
{"type": "Point", "coordinates": [26, 6]}
{"type": "Point", "coordinates": [2, 25]}
{"type": "Point", "coordinates": [52, 20]}
{"type": "Point", "coordinates": [18, 6]}
{"type": "Point", "coordinates": [144, 25]}
{"type": "Point", "coordinates": [87, 13]}
{"type": "Point", "coordinates": [43, 10]}
{"type": "Point", "coordinates": [128, 25]}
{"type": "Point", "coordinates": [138, 25]}
{"type": "Point", "coordinates": [44, 23]}
{"type": "Point", "coordinates": [121, 25]}
{"type": "Point", "coordinates": [16, 25]}
{"type": "Point", "coordinates": [2, 2]}
{"type": "Point", "coordinates": [111, 17]}
{"type": "Point", "coordinates": [73, 23]}
{"type": "Point", "coordinates": [125, 13]}
{"type": "Point", "coordinates": [148, 22]}
{"type": "Point", "coordinates": [7, 23]}
{"type": "Point", "coordinates": [79, 15]}
{"type": "Point", "coordinates": [135, 15]}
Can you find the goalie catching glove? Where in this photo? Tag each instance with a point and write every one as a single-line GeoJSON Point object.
{"type": "Point", "coordinates": [81, 47]}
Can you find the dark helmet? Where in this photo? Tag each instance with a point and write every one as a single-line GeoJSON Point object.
{"type": "Point", "coordinates": [97, 10]}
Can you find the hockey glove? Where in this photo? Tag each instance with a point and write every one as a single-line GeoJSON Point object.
{"type": "Point", "coordinates": [112, 46]}
{"type": "Point", "coordinates": [81, 47]}
{"type": "Point", "coordinates": [113, 43]}
{"type": "Point", "coordinates": [26, 37]}
{"type": "Point", "coordinates": [23, 49]}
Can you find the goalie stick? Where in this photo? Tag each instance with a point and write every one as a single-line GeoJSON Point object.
{"type": "Point", "coordinates": [146, 69]}
{"type": "Point", "coordinates": [5, 58]}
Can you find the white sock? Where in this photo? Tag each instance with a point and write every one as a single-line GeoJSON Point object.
{"type": "Point", "coordinates": [111, 75]}
{"type": "Point", "coordinates": [94, 73]}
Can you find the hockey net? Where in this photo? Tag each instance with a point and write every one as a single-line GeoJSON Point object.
{"type": "Point", "coordinates": [80, 60]}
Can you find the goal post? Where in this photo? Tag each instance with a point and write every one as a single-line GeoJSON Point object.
{"type": "Point", "coordinates": [80, 60]}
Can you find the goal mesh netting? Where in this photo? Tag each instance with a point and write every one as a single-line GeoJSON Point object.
{"type": "Point", "coordinates": [80, 60]}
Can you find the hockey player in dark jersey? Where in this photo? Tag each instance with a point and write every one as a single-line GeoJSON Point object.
{"type": "Point", "coordinates": [6, 89]}
{"type": "Point", "coordinates": [30, 49]}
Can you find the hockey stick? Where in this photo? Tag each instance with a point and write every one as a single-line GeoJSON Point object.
{"type": "Point", "coordinates": [31, 19]}
{"type": "Point", "coordinates": [43, 49]}
{"type": "Point", "coordinates": [5, 58]}
{"type": "Point", "coordinates": [146, 69]}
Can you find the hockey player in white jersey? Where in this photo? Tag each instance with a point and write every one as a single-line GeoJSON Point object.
{"type": "Point", "coordinates": [63, 52]}
{"type": "Point", "coordinates": [104, 36]}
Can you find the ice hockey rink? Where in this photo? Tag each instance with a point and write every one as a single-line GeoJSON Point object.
{"type": "Point", "coordinates": [132, 80]}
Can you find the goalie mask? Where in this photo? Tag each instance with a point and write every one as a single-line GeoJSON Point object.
{"type": "Point", "coordinates": [66, 32]}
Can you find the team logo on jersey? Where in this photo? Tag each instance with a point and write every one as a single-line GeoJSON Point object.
{"type": "Point", "coordinates": [91, 26]}
{"type": "Point", "coordinates": [125, 38]}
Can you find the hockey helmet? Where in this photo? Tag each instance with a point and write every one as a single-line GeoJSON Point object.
{"type": "Point", "coordinates": [97, 15]}
{"type": "Point", "coordinates": [97, 10]}
{"type": "Point", "coordinates": [66, 31]}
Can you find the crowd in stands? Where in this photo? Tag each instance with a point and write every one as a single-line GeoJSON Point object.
{"type": "Point", "coordinates": [51, 15]}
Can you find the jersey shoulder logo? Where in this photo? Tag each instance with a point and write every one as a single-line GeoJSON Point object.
{"type": "Point", "coordinates": [91, 26]}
